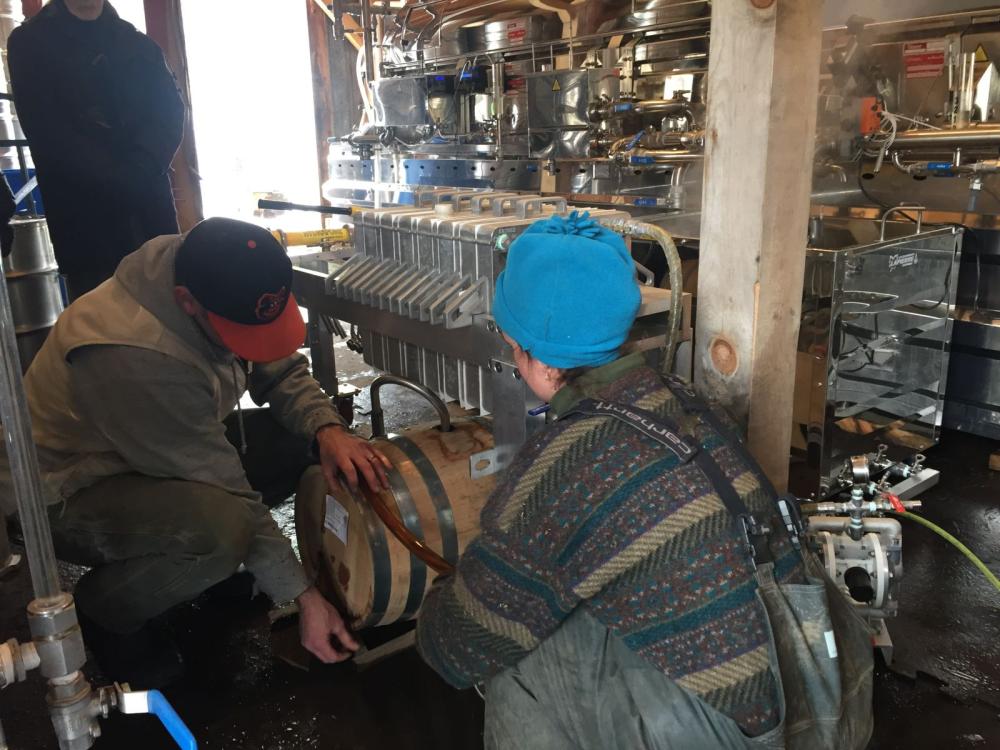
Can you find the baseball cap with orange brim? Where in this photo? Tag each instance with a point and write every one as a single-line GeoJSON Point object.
{"type": "Point", "coordinates": [242, 277]}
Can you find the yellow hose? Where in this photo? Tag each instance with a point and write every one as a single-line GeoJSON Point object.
{"type": "Point", "coordinates": [312, 237]}
{"type": "Point", "coordinates": [961, 547]}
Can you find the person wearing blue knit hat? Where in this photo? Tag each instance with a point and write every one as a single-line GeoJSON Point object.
{"type": "Point", "coordinates": [568, 294]}
{"type": "Point", "coordinates": [608, 600]}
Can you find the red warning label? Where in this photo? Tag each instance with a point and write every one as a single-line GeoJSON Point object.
{"type": "Point", "coordinates": [924, 59]}
{"type": "Point", "coordinates": [517, 30]}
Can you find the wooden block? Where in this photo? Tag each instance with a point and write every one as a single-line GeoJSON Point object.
{"type": "Point", "coordinates": [287, 646]}
{"type": "Point", "coordinates": [367, 657]}
{"type": "Point", "coordinates": [995, 461]}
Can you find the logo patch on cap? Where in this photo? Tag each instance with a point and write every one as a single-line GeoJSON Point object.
{"type": "Point", "coordinates": [270, 305]}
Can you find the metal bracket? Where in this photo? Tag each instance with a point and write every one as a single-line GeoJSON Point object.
{"type": "Point", "coordinates": [916, 484]}
{"type": "Point", "coordinates": [484, 463]}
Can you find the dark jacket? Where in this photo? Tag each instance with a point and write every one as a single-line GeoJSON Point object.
{"type": "Point", "coordinates": [103, 119]}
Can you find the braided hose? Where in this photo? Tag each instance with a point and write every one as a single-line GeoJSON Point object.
{"type": "Point", "coordinates": [642, 230]}
{"type": "Point", "coordinates": [980, 565]}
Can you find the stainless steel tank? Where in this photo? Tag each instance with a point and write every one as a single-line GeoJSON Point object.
{"type": "Point", "coordinates": [33, 285]}
{"type": "Point", "coordinates": [873, 347]}
{"type": "Point", "coordinates": [448, 41]}
{"type": "Point", "coordinates": [32, 251]}
{"type": "Point", "coordinates": [664, 11]}
{"type": "Point", "coordinates": [513, 32]}
{"type": "Point", "coordinates": [35, 300]}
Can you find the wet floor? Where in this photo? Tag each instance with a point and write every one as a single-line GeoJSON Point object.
{"type": "Point", "coordinates": [943, 690]}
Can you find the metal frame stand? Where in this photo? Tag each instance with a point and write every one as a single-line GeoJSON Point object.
{"type": "Point", "coordinates": [916, 484]}
{"type": "Point", "coordinates": [9, 562]}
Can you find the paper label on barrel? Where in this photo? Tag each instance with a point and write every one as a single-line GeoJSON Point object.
{"type": "Point", "coordinates": [336, 519]}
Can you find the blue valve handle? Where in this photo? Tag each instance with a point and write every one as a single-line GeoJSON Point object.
{"type": "Point", "coordinates": [161, 708]}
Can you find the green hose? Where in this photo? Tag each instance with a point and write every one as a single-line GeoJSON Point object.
{"type": "Point", "coordinates": [962, 548]}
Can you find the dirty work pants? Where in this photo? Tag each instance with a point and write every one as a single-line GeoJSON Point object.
{"type": "Point", "coordinates": [583, 688]}
{"type": "Point", "coordinates": [153, 543]}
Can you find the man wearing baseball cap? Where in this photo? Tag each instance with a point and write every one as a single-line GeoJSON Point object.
{"type": "Point", "coordinates": [127, 399]}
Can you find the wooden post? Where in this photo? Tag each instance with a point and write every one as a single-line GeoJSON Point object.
{"type": "Point", "coordinates": [764, 64]}
{"type": "Point", "coordinates": [319, 58]}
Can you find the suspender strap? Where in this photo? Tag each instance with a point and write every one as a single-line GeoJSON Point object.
{"type": "Point", "coordinates": [665, 432]}
{"type": "Point", "coordinates": [692, 404]}
{"type": "Point", "coordinates": [786, 503]}
{"type": "Point", "coordinates": [754, 534]}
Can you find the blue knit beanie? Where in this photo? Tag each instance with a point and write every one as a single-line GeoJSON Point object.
{"type": "Point", "coordinates": [568, 294]}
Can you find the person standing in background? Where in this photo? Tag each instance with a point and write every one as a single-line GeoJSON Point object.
{"type": "Point", "coordinates": [103, 118]}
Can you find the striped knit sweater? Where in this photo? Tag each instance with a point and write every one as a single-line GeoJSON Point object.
{"type": "Point", "coordinates": [594, 513]}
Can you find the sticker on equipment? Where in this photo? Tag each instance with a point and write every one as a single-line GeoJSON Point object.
{"type": "Point", "coordinates": [831, 644]}
{"type": "Point", "coordinates": [336, 519]}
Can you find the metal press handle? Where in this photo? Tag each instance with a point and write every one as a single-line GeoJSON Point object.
{"type": "Point", "coordinates": [378, 416]}
{"type": "Point", "coordinates": [474, 201]}
{"type": "Point", "coordinates": [425, 198]}
{"type": "Point", "coordinates": [534, 205]}
{"type": "Point", "coordinates": [486, 200]}
{"type": "Point", "coordinates": [460, 200]}
{"type": "Point", "coordinates": [900, 208]}
{"type": "Point", "coordinates": [501, 204]}
{"type": "Point", "coordinates": [286, 206]}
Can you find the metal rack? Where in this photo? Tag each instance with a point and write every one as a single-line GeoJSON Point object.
{"type": "Point", "coordinates": [570, 46]}
{"type": "Point", "coordinates": [29, 184]}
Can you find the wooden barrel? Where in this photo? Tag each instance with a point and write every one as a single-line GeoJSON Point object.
{"type": "Point", "coordinates": [356, 560]}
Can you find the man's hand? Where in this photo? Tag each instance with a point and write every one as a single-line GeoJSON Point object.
{"type": "Point", "coordinates": [318, 620]}
{"type": "Point", "coordinates": [347, 454]}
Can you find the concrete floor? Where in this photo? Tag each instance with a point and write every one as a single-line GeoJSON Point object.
{"type": "Point", "coordinates": [943, 691]}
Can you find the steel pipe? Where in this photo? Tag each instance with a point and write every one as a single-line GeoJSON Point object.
{"type": "Point", "coordinates": [947, 169]}
{"type": "Point", "coordinates": [692, 140]}
{"type": "Point", "coordinates": [366, 28]}
{"type": "Point", "coordinates": [986, 136]}
{"type": "Point", "coordinates": [378, 416]}
{"type": "Point", "coordinates": [606, 110]}
{"type": "Point", "coordinates": [23, 460]}
{"type": "Point", "coordinates": [646, 157]}
{"type": "Point", "coordinates": [557, 43]}
{"type": "Point", "coordinates": [664, 107]}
